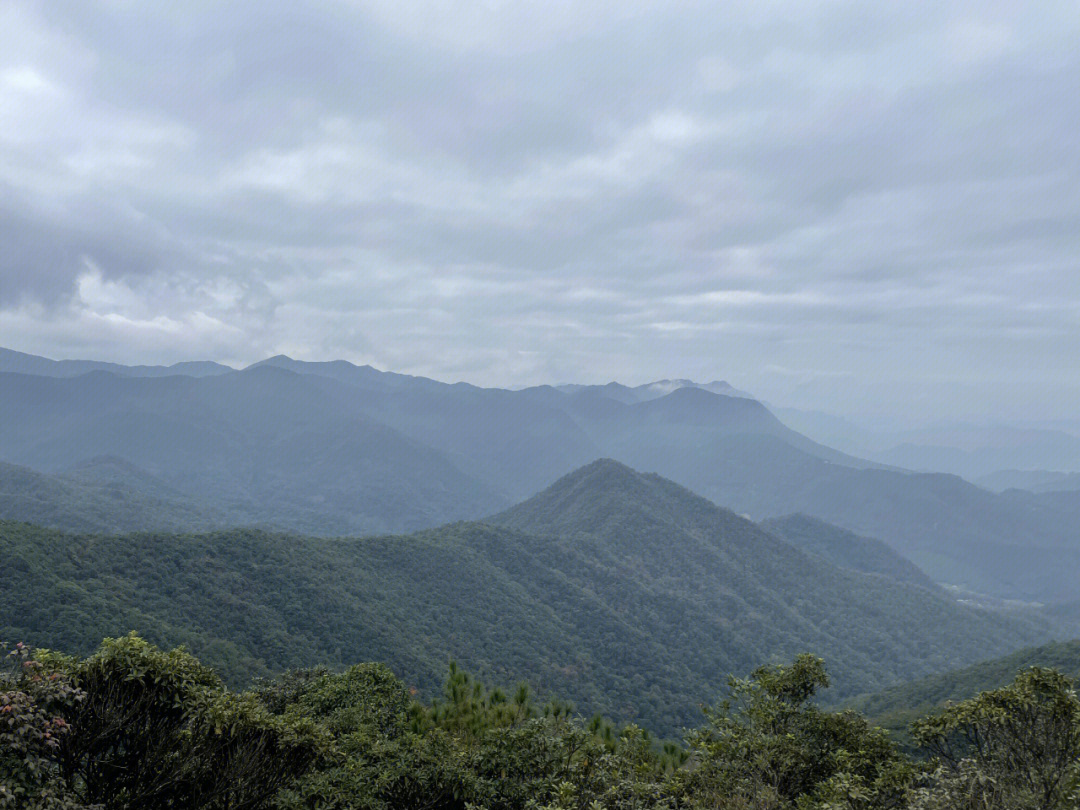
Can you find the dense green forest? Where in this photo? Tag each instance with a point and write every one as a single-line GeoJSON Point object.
{"type": "Point", "coordinates": [101, 497]}
{"type": "Point", "coordinates": [846, 549]}
{"type": "Point", "coordinates": [622, 592]}
{"type": "Point", "coordinates": [133, 727]}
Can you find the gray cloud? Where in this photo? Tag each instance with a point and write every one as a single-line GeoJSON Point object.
{"type": "Point", "coordinates": [860, 207]}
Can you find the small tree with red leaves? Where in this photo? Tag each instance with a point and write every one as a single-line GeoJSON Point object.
{"type": "Point", "coordinates": [32, 726]}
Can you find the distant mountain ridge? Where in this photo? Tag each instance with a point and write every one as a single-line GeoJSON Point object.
{"type": "Point", "coordinates": [21, 363]}
{"type": "Point", "coordinates": [486, 447]}
{"type": "Point", "coordinates": [1023, 449]}
{"type": "Point", "coordinates": [846, 549]}
{"type": "Point", "coordinates": [653, 390]}
{"type": "Point", "coordinates": [334, 448]}
{"type": "Point", "coordinates": [1031, 480]}
{"type": "Point", "coordinates": [263, 443]}
{"type": "Point", "coordinates": [366, 377]}
{"type": "Point", "coordinates": [342, 370]}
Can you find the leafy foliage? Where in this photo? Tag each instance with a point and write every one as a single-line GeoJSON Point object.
{"type": "Point", "coordinates": [136, 728]}
{"type": "Point", "coordinates": [897, 707]}
{"type": "Point", "coordinates": [771, 747]}
{"type": "Point", "coordinates": [32, 727]}
{"type": "Point", "coordinates": [133, 726]}
{"type": "Point", "coordinates": [1018, 746]}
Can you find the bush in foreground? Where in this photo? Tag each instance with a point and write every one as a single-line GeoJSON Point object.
{"type": "Point", "coordinates": [133, 727]}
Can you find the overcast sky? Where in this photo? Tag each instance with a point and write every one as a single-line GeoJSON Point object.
{"type": "Point", "coordinates": [858, 207]}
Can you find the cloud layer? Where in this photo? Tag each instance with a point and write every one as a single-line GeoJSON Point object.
{"type": "Point", "coordinates": [866, 208]}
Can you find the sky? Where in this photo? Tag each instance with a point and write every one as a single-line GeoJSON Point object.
{"type": "Point", "coordinates": [861, 208]}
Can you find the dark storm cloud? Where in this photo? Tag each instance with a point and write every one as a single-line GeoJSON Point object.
{"type": "Point", "coordinates": [829, 201]}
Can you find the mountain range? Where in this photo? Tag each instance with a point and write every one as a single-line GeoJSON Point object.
{"type": "Point", "coordinates": [622, 591]}
{"type": "Point", "coordinates": [334, 448]}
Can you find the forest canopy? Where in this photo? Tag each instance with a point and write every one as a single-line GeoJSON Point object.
{"type": "Point", "coordinates": [135, 727]}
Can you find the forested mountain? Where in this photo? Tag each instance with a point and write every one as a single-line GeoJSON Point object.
{"type": "Point", "coordinates": [95, 501]}
{"type": "Point", "coordinates": [268, 446]}
{"type": "Point", "coordinates": [1012, 545]}
{"type": "Point", "coordinates": [334, 448]}
{"type": "Point", "coordinates": [845, 549]}
{"type": "Point", "coordinates": [621, 591]}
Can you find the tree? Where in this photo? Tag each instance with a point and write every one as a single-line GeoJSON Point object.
{"type": "Point", "coordinates": [379, 760]}
{"type": "Point", "coordinates": [155, 729]}
{"type": "Point", "coordinates": [768, 746]}
{"type": "Point", "coordinates": [1014, 748]}
{"type": "Point", "coordinates": [32, 705]}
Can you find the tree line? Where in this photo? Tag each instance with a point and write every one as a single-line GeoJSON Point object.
{"type": "Point", "coordinates": [135, 727]}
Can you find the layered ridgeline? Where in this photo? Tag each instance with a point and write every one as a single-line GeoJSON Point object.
{"type": "Point", "coordinates": [263, 447]}
{"type": "Point", "coordinates": [846, 549]}
{"type": "Point", "coordinates": [102, 495]}
{"type": "Point", "coordinates": [22, 363]}
{"type": "Point", "coordinates": [623, 592]}
{"type": "Point", "coordinates": [334, 448]}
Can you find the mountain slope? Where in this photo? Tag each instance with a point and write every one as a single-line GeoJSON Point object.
{"type": "Point", "coordinates": [1013, 545]}
{"type": "Point", "coordinates": [515, 441]}
{"type": "Point", "coordinates": [741, 582]}
{"type": "Point", "coordinates": [631, 582]}
{"type": "Point", "coordinates": [87, 505]}
{"type": "Point", "coordinates": [275, 447]}
{"type": "Point", "coordinates": [1031, 480]}
{"type": "Point", "coordinates": [681, 428]}
{"type": "Point", "coordinates": [845, 549]}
